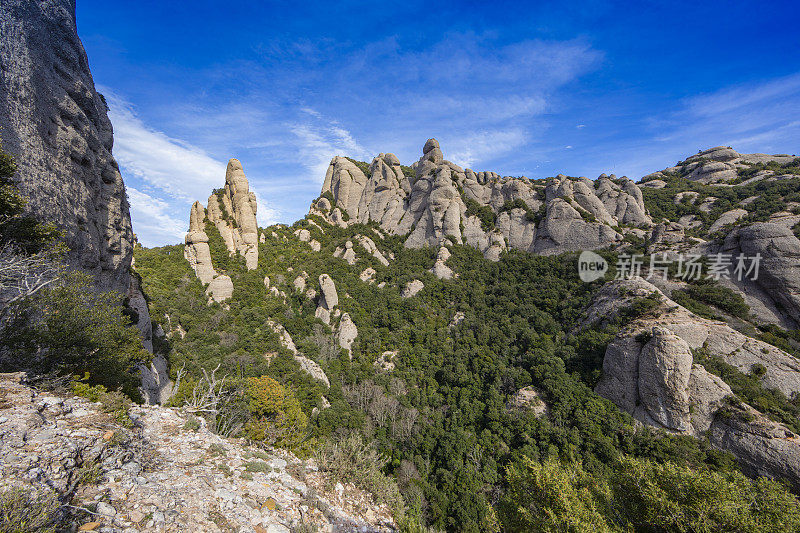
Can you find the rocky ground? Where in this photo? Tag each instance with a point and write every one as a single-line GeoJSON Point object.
{"type": "Point", "coordinates": [167, 472]}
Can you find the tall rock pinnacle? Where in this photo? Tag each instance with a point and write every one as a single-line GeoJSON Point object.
{"type": "Point", "coordinates": [232, 210]}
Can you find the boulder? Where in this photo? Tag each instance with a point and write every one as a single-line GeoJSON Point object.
{"type": "Point", "coordinates": [728, 217]}
{"type": "Point", "coordinates": [412, 288]}
{"type": "Point", "coordinates": [328, 298]}
{"type": "Point", "coordinates": [440, 268]}
{"type": "Point", "coordinates": [220, 289]}
{"type": "Point", "coordinates": [196, 251]}
{"type": "Point", "coordinates": [347, 333]}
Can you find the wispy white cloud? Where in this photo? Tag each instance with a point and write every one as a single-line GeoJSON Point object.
{"type": "Point", "coordinates": [478, 146]}
{"type": "Point", "coordinates": [266, 214]}
{"type": "Point", "coordinates": [752, 117]}
{"type": "Point", "coordinates": [177, 168]}
{"type": "Point", "coordinates": [164, 176]}
{"type": "Point", "coordinates": [154, 219]}
{"type": "Point", "coordinates": [320, 141]}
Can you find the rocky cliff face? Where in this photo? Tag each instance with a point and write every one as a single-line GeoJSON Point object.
{"type": "Point", "coordinates": [650, 370]}
{"type": "Point", "coordinates": [55, 124]}
{"type": "Point", "coordinates": [435, 201]}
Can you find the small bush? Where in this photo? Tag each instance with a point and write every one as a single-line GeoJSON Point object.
{"type": "Point", "coordinates": [639, 307]}
{"type": "Point", "coordinates": [257, 466]}
{"type": "Point", "coordinates": [192, 424]}
{"type": "Point", "coordinates": [114, 402]}
{"type": "Point", "coordinates": [217, 449]}
{"type": "Point", "coordinates": [23, 512]}
{"type": "Point", "coordinates": [358, 462]}
{"type": "Point", "coordinates": [485, 213]}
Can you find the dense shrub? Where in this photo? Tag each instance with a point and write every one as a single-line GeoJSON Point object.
{"type": "Point", "coordinates": [22, 511]}
{"type": "Point", "coordinates": [71, 328]}
{"type": "Point", "coordinates": [641, 495]}
{"type": "Point", "coordinates": [353, 460]}
{"type": "Point", "coordinates": [113, 402]}
{"type": "Point", "coordinates": [749, 388]}
{"type": "Point", "coordinates": [276, 416]}
{"type": "Point", "coordinates": [712, 293]}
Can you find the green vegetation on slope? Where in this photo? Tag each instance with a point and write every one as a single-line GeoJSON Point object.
{"type": "Point", "coordinates": [440, 420]}
{"type": "Point", "coordinates": [772, 197]}
{"type": "Point", "coordinates": [52, 324]}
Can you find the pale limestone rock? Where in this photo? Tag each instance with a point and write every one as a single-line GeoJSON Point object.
{"type": "Point", "coordinates": [315, 245]}
{"type": "Point", "coordinates": [782, 369]}
{"type": "Point", "coordinates": [457, 319]}
{"type": "Point", "coordinates": [347, 333]}
{"type": "Point", "coordinates": [412, 288]}
{"type": "Point", "coordinates": [220, 289]}
{"type": "Point", "coordinates": [300, 282]}
{"type": "Point", "coordinates": [440, 268]}
{"type": "Point", "coordinates": [307, 365]}
{"type": "Point", "coordinates": [528, 398]}
{"type": "Point", "coordinates": [779, 269]}
{"type": "Point", "coordinates": [728, 217]}
{"type": "Point", "coordinates": [370, 246]}
{"type": "Point", "coordinates": [328, 298]}
{"type": "Point", "coordinates": [233, 212]}
{"type": "Point", "coordinates": [665, 365]}
{"type": "Point", "coordinates": [56, 125]}
{"type": "Point", "coordinates": [368, 275]}
{"type": "Point", "coordinates": [385, 361]}
{"type": "Point", "coordinates": [303, 234]}
{"type": "Point", "coordinates": [196, 251]}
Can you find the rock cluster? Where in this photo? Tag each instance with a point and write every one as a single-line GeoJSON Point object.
{"type": "Point", "coordinates": [232, 210]}
{"type": "Point", "coordinates": [437, 204]}
{"type": "Point", "coordinates": [722, 163]}
{"type": "Point", "coordinates": [412, 288]}
{"type": "Point", "coordinates": [165, 475]}
{"type": "Point", "coordinates": [649, 370]}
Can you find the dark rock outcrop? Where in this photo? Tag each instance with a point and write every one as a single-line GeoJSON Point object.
{"type": "Point", "coordinates": [55, 124]}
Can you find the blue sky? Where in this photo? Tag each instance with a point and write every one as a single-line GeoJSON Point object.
{"type": "Point", "coordinates": [520, 88]}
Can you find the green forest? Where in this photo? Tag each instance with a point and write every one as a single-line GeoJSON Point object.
{"type": "Point", "coordinates": [434, 433]}
{"type": "Point", "coordinates": [439, 424]}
